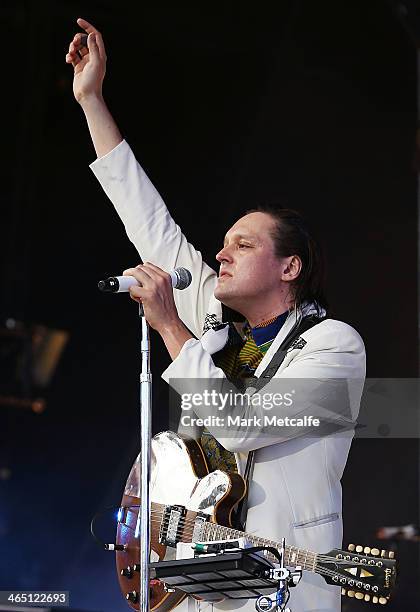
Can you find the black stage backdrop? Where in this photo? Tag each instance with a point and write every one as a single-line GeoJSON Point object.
{"type": "Point", "coordinates": [226, 105]}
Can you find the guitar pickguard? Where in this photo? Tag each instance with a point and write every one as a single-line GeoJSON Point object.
{"type": "Point", "coordinates": [174, 479]}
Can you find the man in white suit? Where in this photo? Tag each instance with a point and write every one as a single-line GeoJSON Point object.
{"type": "Point", "coordinates": [268, 273]}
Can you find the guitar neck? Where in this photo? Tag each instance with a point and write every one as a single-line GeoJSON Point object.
{"type": "Point", "coordinates": [212, 531]}
{"type": "Point", "coordinates": [293, 555]}
{"type": "Point", "coordinates": [360, 568]}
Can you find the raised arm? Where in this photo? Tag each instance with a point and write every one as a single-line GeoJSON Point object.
{"type": "Point", "coordinates": [148, 223]}
{"type": "Point", "coordinates": [89, 73]}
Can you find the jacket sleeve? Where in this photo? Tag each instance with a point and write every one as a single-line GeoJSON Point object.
{"type": "Point", "coordinates": [153, 232]}
{"type": "Point", "coordinates": [324, 380]}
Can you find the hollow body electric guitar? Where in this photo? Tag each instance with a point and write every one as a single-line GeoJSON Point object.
{"type": "Point", "coordinates": [189, 504]}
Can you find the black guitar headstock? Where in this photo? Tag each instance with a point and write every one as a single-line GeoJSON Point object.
{"type": "Point", "coordinates": [363, 573]}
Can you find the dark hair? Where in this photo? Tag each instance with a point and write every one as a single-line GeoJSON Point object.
{"type": "Point", "coordinates": [292, 236]}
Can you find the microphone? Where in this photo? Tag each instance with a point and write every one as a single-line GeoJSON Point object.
{"type": "Point", "coordinates": [181, 278]}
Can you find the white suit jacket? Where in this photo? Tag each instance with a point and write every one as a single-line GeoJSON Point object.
{"type": "Point", "coordinates": [295, 490]}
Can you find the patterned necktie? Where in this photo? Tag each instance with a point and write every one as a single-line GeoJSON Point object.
{"type": "Point", "coordinates": [239, 360]}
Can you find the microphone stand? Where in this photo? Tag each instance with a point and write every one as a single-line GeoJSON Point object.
{"type": "Point", "coordinates": [180, 278]}
{"type": "Point", "coordinates": [143, 529]}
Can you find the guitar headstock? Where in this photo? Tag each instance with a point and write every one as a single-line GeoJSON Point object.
{"type": "Point", "coordinates": [364, 573]}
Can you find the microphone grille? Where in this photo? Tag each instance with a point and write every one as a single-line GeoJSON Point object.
{"type": "Point", "coordinates": [183, 278]}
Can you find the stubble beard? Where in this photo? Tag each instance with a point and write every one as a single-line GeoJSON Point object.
{"type": "Point", "coordinates": [223, 294]}
{"type": "Point", "coordinates": [229, 297]}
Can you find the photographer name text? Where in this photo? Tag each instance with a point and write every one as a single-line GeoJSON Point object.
{"type": "Point", "coordinates": [254, 421]}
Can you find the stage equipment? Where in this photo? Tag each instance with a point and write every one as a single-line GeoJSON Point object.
{"type": "Point", "coordinates": [29, 355]}
{"type": "Point", "coordinates": [409, 533]}
{"type": "Point", "coordinates": [190, 505]}
{"type": "Point", "coordinates": [232, 574]}
{"type": "Point", "coordinates": [180, 278]}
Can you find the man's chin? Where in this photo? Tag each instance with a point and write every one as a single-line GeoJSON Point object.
{"type": "Point", "coordinates": [225, 298]}
{"type": "Point", "coordinates": [220, 294]}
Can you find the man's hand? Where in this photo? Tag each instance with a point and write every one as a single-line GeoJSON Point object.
{"type": "Point", "coordinates": [156, 295]}
{"type": "Point", "coordinates": [88, 63]}
{"type": "Point", "coordinates": [89, 72]}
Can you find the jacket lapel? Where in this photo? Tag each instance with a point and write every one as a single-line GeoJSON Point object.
{"type": "Point", "coordinates": [216, 333]}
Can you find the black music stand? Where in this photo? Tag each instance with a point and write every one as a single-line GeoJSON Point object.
{"type": "Point", "coordinates": [233, 575]}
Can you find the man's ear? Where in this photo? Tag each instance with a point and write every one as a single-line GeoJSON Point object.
{"type": "Point", "coordinates": [292, 267]}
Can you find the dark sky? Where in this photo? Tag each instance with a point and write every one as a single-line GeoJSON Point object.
{"type": "Point", "coordinates": [226, 105]}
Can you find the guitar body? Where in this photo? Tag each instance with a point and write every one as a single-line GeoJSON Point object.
{"type": "Point", "coordinates": [189, 504]}
{"type": "Point", "coordinates": [179, 476]}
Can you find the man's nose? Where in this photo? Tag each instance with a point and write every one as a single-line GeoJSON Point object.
{"type": "Point", "coordinates": [224, 255]}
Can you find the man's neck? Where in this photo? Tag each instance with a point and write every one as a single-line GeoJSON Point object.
{"type": "Point", "coordinates": [258, 310]}
{"type": "Point", "coordinates": [263, 317]}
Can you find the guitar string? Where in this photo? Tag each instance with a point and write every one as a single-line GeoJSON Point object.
{"type": "Point", "coordinates": [313, 557]}
{"type": "Point", "coordinates": [184, 522]}
{"type": "Point", "coordinates": [323, 571]}
{"type": "Point", "coordinates": [191, 523]}
{"type": "Point", "coordinates": [309, 556]}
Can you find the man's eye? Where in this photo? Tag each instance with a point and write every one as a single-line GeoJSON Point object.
{"type": "Point", "coordinates": [244, 246]}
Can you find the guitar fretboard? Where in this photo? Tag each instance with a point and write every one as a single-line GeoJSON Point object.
{"type": "Point", "coordinates": [294, 556]}
{"type": "Point", "coordinates": [212, 531]}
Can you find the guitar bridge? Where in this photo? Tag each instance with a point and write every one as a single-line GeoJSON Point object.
{"type": "Point", "coordinates": [172, 525]}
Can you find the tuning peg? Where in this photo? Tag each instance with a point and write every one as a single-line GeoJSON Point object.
{"type": "Point", "coordinates": [367, 597]}
{"type": "Point", "coordinates": [351, 547]}
{"type": "Point", "coordinates": [375, 599]}
{"type": "Point", "coordinates": [383, 600]}
{"type": "Point", "coordinates": [343, 591]}
{"type": "Point", "coordinates": [350, 593]}
{"type": "Point", "coordinates": [383, 553]}
{"type": "Point", "coordinates": [366, 550]}
{"type": "Point", "coordinates": [359, 548]}
{"type": "Point", "coordinates": [375, 552]}
{"type": "Point", "coordinates": [359, 595]}
{"type": "Point", "coordinates": [391, 554]}
{"type": "Point", "coordinates": [127, 572]}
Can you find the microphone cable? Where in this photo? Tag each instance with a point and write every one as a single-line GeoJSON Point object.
{"type": "Point", "coordinates": [103, 545]}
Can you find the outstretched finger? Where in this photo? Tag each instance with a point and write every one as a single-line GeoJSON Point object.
{"type": "Point", "coordinates": [88, 27]}
{"type": "Point", "coordinates": [92, 45]}
{"type": "Point", "coordinates": [101, 46]}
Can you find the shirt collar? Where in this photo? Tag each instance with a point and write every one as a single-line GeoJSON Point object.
{"type": "Point", "coordinates": [266, 331]}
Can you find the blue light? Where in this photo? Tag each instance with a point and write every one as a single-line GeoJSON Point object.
{"type": "Point", "coordinates": [119, 515]}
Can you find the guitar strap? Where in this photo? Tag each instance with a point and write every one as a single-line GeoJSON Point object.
{"type": "Point", "coordinates": [292, 339]}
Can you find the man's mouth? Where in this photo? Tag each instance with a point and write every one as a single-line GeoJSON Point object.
{"type": "Point", "coordinates": [223, 274]}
